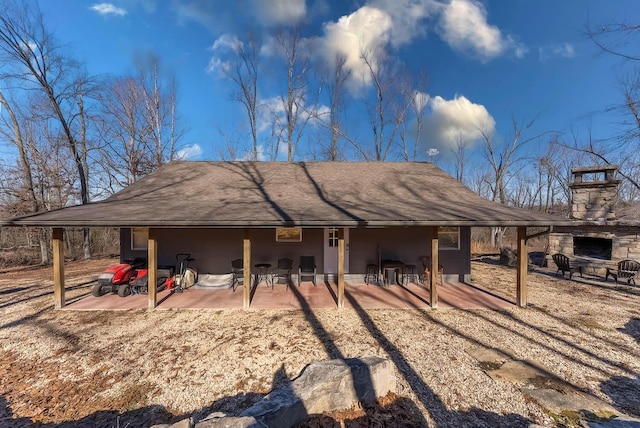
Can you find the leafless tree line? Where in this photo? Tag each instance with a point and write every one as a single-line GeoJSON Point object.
{"type": "Point", "coordinates": [79, 138]}
{"type": "Point", "coordinates": [76, 137]}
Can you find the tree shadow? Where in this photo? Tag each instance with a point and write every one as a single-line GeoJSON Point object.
{"type": "Point", "coordinates": [427, 397]}
{"type": "Point", "coordinates": [625, 390]}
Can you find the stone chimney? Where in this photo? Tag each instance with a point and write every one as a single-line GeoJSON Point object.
{"type": "Point", "coordinates": [595, 193]}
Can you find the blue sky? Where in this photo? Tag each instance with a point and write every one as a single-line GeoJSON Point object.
{"type": "Point", "coordinates": [487, 61]}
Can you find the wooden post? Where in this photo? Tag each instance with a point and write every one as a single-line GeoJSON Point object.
{"type": "Point", "coordinates": [523, 265]}
{"type": "Point", "coordinates": [246, 257]}
{"type": "Point", "coordinates": [434, 268]}
{"type": "Point", "coordinates": [152, 264]}
{"type": "Point", "coordinates": [340, 268]}
{"type": "Point", "coordinates": [58, 268]}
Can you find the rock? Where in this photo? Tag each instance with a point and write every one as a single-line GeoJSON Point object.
{"type": "Point", "coordinates": [508, 256]}
{"type": "Point", "coordinates": [231, 422]}
{"type": "Point", "coordinates": [558, 402]}
{"type": "Point", "coordinates": [321, 387]}
{"type": "Point", "coordinates": [185, 423]}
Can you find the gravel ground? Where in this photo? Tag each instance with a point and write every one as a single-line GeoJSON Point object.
{"type": "Point", "coordinates": [134, 368]}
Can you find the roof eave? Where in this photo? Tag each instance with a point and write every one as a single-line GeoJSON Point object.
{"type": "Point", "coordinates": [308, 224]}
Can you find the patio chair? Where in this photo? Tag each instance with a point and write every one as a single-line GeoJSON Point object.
{"type": "Point", "coordinates": [564, 265]}
{"type": "Point", "coordinates": [426, 274]}
{"type": "Point", "coordinates": [371, 274]}
{"type": "Point", "coordinates": [626, 269]}
{"type": "Point", "coordinates": [282, 271]}
{"type": "Point", "coordinates": [237, 269]}
{"type": "Point", "coordinates": [307, 267]}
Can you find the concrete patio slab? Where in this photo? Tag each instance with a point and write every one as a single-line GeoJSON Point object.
{"type": "Point", "coordinates": [305, 296]}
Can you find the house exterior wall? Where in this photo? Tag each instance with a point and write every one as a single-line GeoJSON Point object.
{"type": "Point", "coordinates": [213, 249]}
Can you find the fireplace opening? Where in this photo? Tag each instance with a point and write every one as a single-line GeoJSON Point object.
{"type": "Point", "coordinates": [598, 248]}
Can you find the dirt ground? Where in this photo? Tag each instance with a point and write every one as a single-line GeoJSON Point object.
{"type": "Point", "coordinates": [136, 368]}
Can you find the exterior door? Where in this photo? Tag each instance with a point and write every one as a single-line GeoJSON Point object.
{"type": "Point", "coordinates": [331, 250]}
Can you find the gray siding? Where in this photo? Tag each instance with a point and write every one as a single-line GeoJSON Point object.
{"type": "Point", "coordinates": [407, 244]}
{"type": "Point", "coordinates": [213, 249]}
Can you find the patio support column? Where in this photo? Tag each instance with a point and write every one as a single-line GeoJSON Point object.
{"type": "Point", "coordinates": [433, 296]}
{"type": "Point", "coordinates": [523, 264]}
{"type": "Point", "coordinates": [152, 264]}
{"type": "Point", "coordinates": [246, 257]}
{"type": "Point", "coordinates": [340, 268]}
{"type": "Point", "coordinates": [58, 268]}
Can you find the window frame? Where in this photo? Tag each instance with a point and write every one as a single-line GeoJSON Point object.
{"type": "Point", "coordinates": [136, 231]}
{"type": "Point", "coordinates": [449, 233]}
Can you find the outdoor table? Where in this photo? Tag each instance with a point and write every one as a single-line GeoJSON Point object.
{"type": "Point", "coordinates": [391, 270]}
{"type": "Point", "coordinates": [262, 273]}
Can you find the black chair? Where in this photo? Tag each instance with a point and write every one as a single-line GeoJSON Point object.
{"type": "Point", "coordinates": [564, 265]}
{"type": "Point", "coordinates": [371, 273]}
{"type": "Point", "coordinates": [237, 269]}
{"type": "Point", "coordinates": [282, 271]}
{"type": "Point", "coordinates": [409, 274]}
{"type": "Point", "coordinates": [627, 269]}
{"type": "Point", "coordinates": [307, 267]}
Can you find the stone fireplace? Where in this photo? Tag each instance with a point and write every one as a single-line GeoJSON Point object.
{"type": "Point", "coordinates": [602, 239]}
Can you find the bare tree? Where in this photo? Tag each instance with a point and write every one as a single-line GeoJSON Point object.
{"type": "Point", "coordinates": [412, 117]}
{"type": "Point", "coordinates": [294, 99]}
{"type": "Point", "coordinates": [337, 91]}
{"type": "Point", "coordinates": [461, 156]}
{"type": "Point", "coordinates": [501, 158]}
{"type": "Point", "coordinates": [160, 100]}
{"type": "Point", "coordinates": [125, 132]}
{"type": "Point", "coordinates": [393, 95]}
{"type": "Point", "coordinates": [32, 58]}
{"type": "Point", "coordinates": [243, 72]}
{"type": "Point", "coordinates": [621, 40]}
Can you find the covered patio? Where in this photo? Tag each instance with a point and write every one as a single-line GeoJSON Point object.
{"type": "Point", "coordinates": [259, 212]}
{"type": "Point", "coordinates": [323, 296]}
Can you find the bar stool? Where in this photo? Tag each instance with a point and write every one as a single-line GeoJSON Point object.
{"type": "Point", "coordinates": [371, 272]}
{"type": "Point", "coordinates": [409, 274]}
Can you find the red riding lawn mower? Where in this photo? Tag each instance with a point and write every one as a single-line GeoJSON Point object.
{"type": "Point", "coordinates": [114, 276]}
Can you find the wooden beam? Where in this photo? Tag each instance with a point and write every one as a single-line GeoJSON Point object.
{"type": "Point", "coordinates": [433, 295]}
{"type": "Point", "coordinates": [340, 268]}
{"type": "Point", "coordinates": [246, 257]}
{"type": "Point", "coordinates": [58, 267]}
{"type": "Point", "coordinates": [523, 265]}
{"type": "Point", "coordinates": [544, 232]}
{"type": "Point", "coordinates": [152, 265]}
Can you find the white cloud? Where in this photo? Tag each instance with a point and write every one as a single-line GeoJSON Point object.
{"type": "Point", "coordinates": [365, 30]}
{"type": "Point", "coordinates": [191, 152]}
{"type": "Point", "coordinates": [224, 43]}
{"type": "Point", "coordinates": [279, 12]}
{"type": "Point", "coordinates": [420, 101]}
{"type": "Point", "coordinates": [463, 25]}
{"type": "Point", "coordinates": [272, 110]}
{"type": "Point", "coordinates": [456, 119]}
{"type": "Point", "coordinates": [373, 29]}
{"type": "Point", "coordinates": [108, 9]}
{"type": "Point", "coordinates": [407, 17]}
{"type": "Point", "coordinates": [564, 50]}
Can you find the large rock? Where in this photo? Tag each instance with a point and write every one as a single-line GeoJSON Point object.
{"type": "Point", "coordinates": [321, 387]}
{"type": "Point", "coordinates": [325, 387]}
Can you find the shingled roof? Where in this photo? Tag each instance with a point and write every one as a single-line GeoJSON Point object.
{"type": "Point", "coordinates": [309, 194]}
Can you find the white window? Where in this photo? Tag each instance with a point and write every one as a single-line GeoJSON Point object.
{"type": "Point", "coordinates": [449, 238]}
{"type": "Point", "coordinates": [333, 237]}
{"type": "Point", "coordinates": [139, 238]}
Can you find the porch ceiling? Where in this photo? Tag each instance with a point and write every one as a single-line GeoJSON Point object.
{"type": "Point", "coordinates": [305, 194]}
